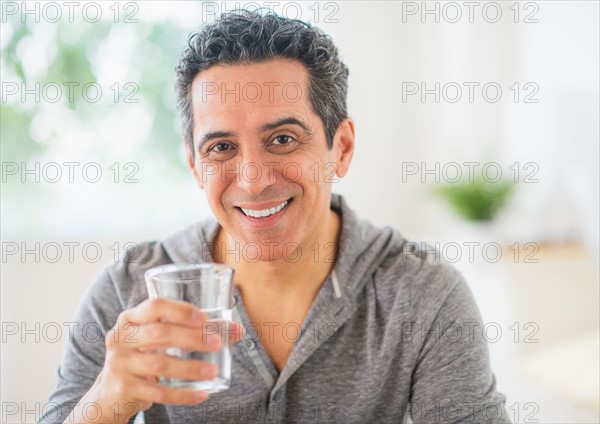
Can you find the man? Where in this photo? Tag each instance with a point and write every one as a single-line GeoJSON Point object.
{"type": "Point", "coordinates": [340, 322]}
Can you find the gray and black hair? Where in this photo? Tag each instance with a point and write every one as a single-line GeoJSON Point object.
{"type": "Point", "coordinates": [243, 36]}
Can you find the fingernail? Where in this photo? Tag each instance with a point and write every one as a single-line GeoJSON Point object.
{"type": "Point", "coordinates": [215, 340]}
{"type": "Point", "coordinates": [198, 316]}
{"type": "Point", "coordinates": [201, 395]}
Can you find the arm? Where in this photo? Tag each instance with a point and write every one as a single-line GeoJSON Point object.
{"type": "Point", "coordinates": [110, 366]}
{"type": "Point", "coordinates": [83, 355]}
{"type": "Point", "coordinates": [452, 381]}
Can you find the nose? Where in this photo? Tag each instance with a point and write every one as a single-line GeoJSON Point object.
{"type": "Point", "coordinates": [255, 174]}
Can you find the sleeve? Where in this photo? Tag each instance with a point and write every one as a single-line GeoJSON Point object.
{"type": "Point", "coordinates": [452, 381]}
{"type": "Point", "coordinates": [83, 355]}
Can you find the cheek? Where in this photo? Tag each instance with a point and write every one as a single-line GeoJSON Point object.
{"type": "Point", "coordinates": [216, 188]}
{"type": "Point", "coordinates": [294, 172]}
{"type": "Point", "coordinates": [313, 173]}
{"type": "Point", "coordinates": [210, 186]}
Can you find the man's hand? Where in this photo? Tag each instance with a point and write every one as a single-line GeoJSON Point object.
{"type": "Point", "coordinates": [128, 382]}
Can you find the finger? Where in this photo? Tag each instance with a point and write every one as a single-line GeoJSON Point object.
{"type": "Point", "coordinates": [171, 395]}
{"type": "Point", "coordinates": [161, 309]}
{"type": "Point", "coordinates": [144, 391]}
{"type": "Point", "coordinates": [230, 332]}
{"type": "Point", "coordinates": [162, 365]}
{"type": "Point", "coordinates": [161, 335]}
{"type": "Point", "coordinates": [136, 389]}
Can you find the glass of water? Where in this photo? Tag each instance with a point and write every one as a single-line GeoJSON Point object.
{"type": "Point", "coordinates": [209, 287]}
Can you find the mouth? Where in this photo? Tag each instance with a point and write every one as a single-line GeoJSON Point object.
{"type": "Point", "coordinates": [265, 213]}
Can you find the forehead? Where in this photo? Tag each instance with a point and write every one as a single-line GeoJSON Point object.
{"type": "Point", "coordinates": [237, 95]}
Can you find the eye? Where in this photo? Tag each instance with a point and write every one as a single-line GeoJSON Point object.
{"type": "Point", "coordinates": [221, 151]}
{"type": "Point", "coordinates": [220, 147]}
{"type": "Point", "coordinates": [283, 140]}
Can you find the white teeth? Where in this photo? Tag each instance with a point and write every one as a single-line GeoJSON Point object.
{"type": "Point", "coordinates": [264, 212]}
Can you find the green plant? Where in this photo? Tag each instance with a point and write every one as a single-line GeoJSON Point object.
{"type": "Point", "coordinates": [477, 200]}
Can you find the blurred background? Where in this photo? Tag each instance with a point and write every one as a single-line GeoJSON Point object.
{"type": "Point", "coordinates": [477, 132]}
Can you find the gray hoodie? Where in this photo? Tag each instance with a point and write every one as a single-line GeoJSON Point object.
{"type": "Point", "coordinates": [391, 334]}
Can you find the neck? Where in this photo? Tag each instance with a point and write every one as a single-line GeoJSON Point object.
{"type": "Point", "coordinates": [305, 275]}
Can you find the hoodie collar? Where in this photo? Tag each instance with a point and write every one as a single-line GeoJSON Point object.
{"type": "Point", "coordinates": [362, 249]}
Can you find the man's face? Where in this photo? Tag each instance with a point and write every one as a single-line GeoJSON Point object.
{"type": "Point", "coordinates": [261, 155]}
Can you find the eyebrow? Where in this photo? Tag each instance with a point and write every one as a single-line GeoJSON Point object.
{"type": "Point", "coordinates": [290, 120]}
{"type": "Point", "coordinates": [211, 136]}
{"type": "Point", "coordinates": [285, 121]}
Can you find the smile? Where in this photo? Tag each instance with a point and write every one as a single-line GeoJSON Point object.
{"type": "Point", "coordinates": [264, 212]}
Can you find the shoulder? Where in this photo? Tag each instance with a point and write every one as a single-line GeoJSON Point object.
{"type": "Point", "coordinates": [403, 274]}
{"type": "Point", "coordinates": [122, 283]}
{"type": "Point", "coordinates": [127, 275]}
{"type": "Point", "coordinates": [413, 278]}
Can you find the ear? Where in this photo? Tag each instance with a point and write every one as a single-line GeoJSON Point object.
{"type": "Point", "coordinates": [343, 145]}
{"type": "Point", "coordinates": [192, 165]}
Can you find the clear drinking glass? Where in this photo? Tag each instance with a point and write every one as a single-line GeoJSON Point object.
{"type": "Point", "coordinates": [209, 287]}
